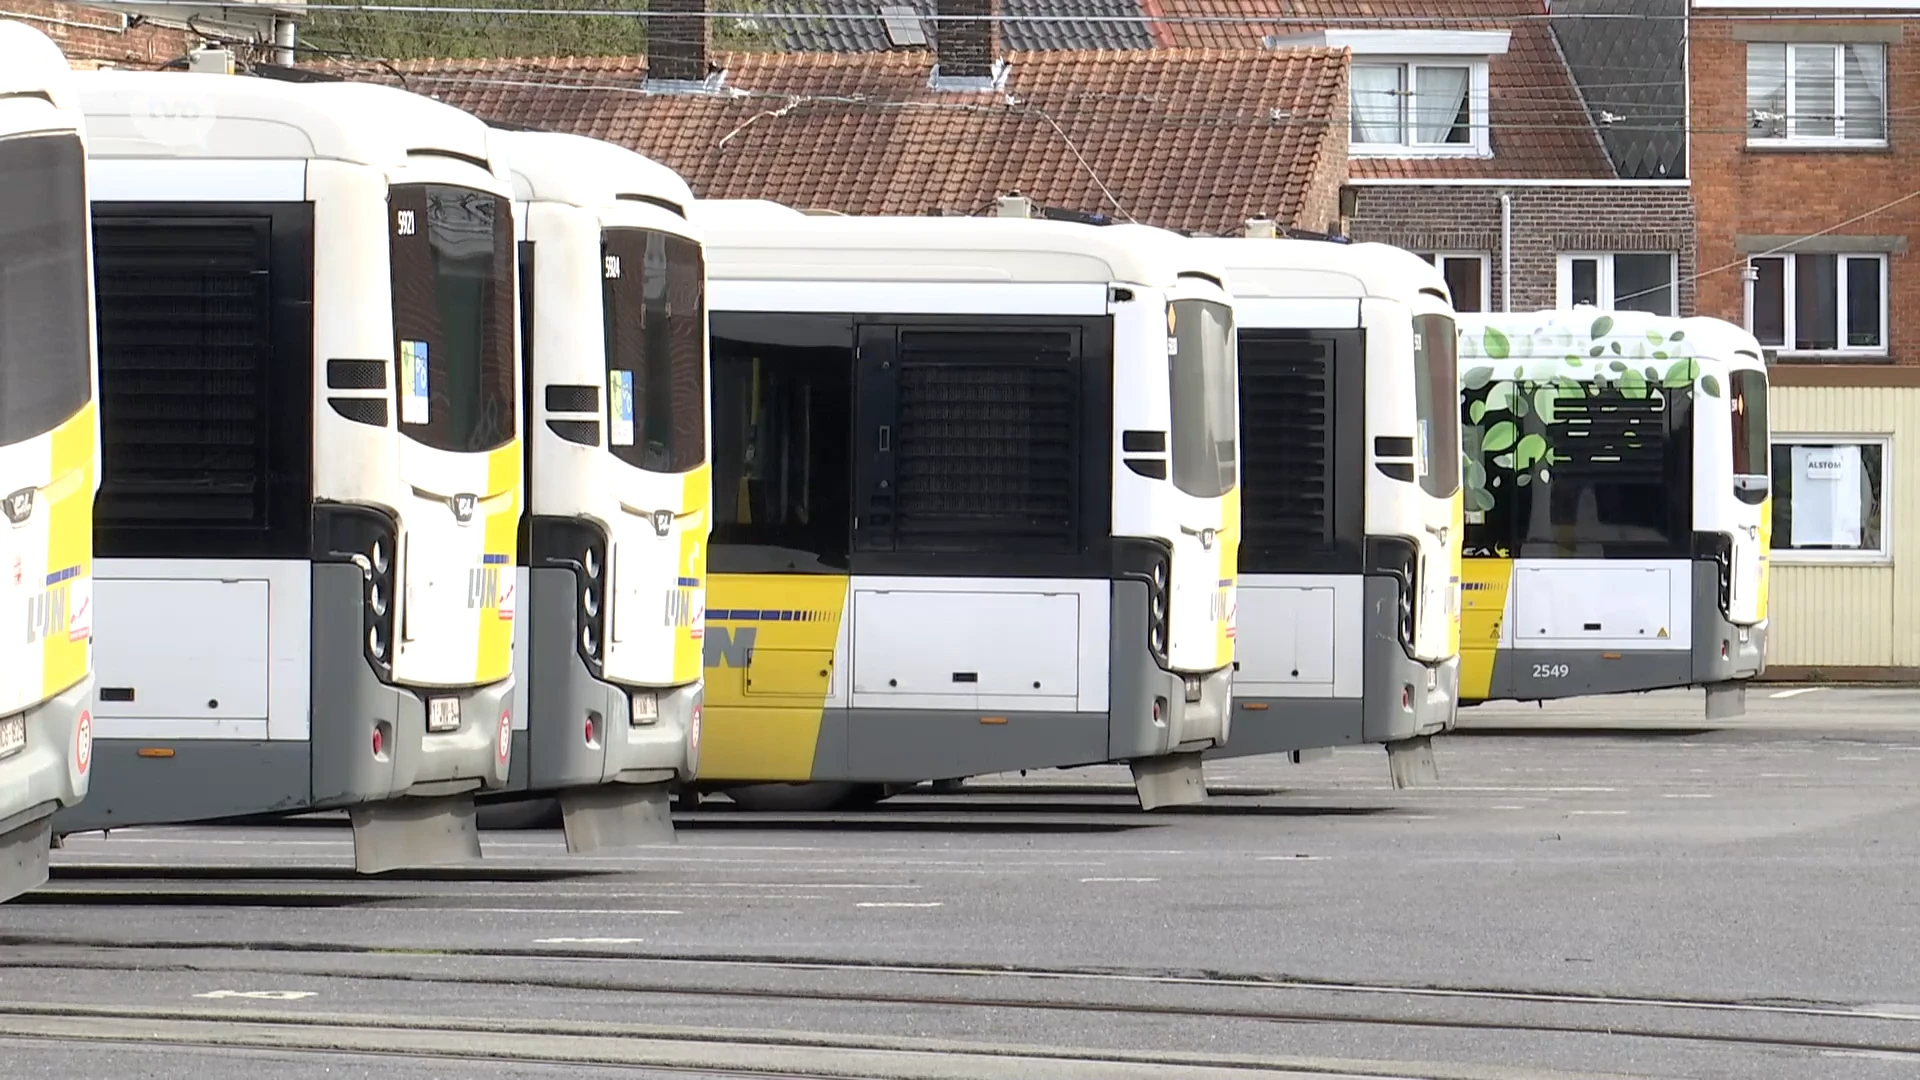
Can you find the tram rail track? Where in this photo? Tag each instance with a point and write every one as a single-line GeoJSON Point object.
{"type": "Point", "coordinates": [1787, 1025]}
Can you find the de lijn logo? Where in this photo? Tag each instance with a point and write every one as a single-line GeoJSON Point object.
{"type": "Point", "coordinates": [462, 505]}
{"type": "Point", "coordinates": [18, 507]}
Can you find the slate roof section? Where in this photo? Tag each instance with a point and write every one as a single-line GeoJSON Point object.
{"type": "Point", "coordinates": [1634, 70]}
{"type": "Point", "coordinates": [1194, 139]}
{"type": "Point", "coordinates": [1031, 25]}
{"type": "Point", "coordinates": [1540, 125]}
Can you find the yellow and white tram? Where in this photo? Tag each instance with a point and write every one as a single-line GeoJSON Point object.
{"type": "Point", "coordinates": [312, 465]}
{"type": "Point", "coordinates": [1618, 506]}
{"type": "Point", "coordinates": [975, 504]}
{"type": "Point", "coordinates": [614, 542]}
{"type": "Point", "coordinates": [1351, 503]}
{"type": "Point", "coordinates": [49, 453]}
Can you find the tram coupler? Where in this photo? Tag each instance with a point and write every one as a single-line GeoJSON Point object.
{"type": "Point", "coordinates": [406, 832]}
{"type": "Point", "coordinates": [1410, 761]}
{"type": "Point", "coordinates": [1726, 700]}
{"type": "Point", "coordinates": [1169, 780]}
{"type": "Point", "coordinates": [617, 815]}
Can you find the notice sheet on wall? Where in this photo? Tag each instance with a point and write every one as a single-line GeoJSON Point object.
{"type": "Point", "coordinates": [1826, 496]}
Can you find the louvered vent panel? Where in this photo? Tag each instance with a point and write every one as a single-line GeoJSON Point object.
{"type": "Point", "coordinates": [1610, 437]}
{"type": "Point", "coordinates": [184, 316]}
{"type": "Point", "coordinates": [986, 441]}
{"type": "Point", "coordinates": [1286, 442]}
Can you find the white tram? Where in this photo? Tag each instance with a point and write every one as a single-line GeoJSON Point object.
{"type": "Point", "coordinates": [975, 504]}
{"type": "Point", "coordinates": [49, 453]}
{"type": "Point", "coordinates": [1619, 506]}
{"type": "Point", "coordinates": [614, 541]}
{"type": "Point", "coordinates": [1351, 504]}
{"type": "Point", "coordinates": [312, 462]}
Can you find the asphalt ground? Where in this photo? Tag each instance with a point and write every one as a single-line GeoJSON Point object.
{"type": "Point", "coordinates": [1603, 887]}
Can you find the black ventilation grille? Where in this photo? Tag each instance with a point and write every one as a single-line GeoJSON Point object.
{"type": "Point", "coordinates": [573, 398]}
{"type": "Point", "coordinates": [361, 410]}
{"type": "Point", "coordinates": [986, 441]}
{"type": "Point", "coordinates": [185, 315]}
{"type": "Point", "coordinates": [584, 432]}
{"type": "Point", "coordinates": [1610, 436]}
{"type": "Point", "coordinates": [357, 374]}
{"type": "Point", "coordinates": [1286, 442]}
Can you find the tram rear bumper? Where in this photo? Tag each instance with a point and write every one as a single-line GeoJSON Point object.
{"type": "Point", "coordinates": [1136, 682]}
{"type": "Point", "coordinates": [47, 774]}
{"type": "Point", "coordinates": [350, 704]}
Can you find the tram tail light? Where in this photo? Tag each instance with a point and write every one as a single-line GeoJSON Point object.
{"type": "Point", "coordinates": [579, 545]}
{"type": "Point", "coordinates": [368, 538]}
{"type": "Point", "coordinates": [1150, 562]}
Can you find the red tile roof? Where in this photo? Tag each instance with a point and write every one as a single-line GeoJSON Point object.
{"type": "Point", "coordinates": [1540, 125]}
{"type": "Point", "coordinates": [1185, 138]}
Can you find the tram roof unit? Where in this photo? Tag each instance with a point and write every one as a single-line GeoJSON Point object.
{"type": "Point", "coordinates": [553, 166]}
{"type": "Point", "coordinates": [35, 67]}
{"type": "Point", "coordinates": [1304, 269]}
{"type": "Point", "coordinates": [152, 114]}
{"type": "Point", "coordinates": [1004, 251]}
{"type": "Point", "coordinates": [1711, 339]}
{"type": "Point", "coordinates": [724, 211]}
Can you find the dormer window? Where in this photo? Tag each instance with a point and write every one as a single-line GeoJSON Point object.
{"type": "Point", "coordinates": [1415, 93]}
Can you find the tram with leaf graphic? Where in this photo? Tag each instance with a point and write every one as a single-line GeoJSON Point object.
{"type": "Point", "coordinates": [1618, 506]}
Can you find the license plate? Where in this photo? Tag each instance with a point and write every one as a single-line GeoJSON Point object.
{"type": "Point", "coordinates": [13, 735]}
{"type": "Point", "coordinates": [646, 707]}
{"type": "Point", "coordinates": [443, 714]}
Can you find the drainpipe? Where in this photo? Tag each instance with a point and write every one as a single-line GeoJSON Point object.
{"type": "Point", "coordinates": [1748, 275]}
{"type": "Point", "coordinates": [283, 41]}
{"type": "Point", "coordinates": [1506, 252]}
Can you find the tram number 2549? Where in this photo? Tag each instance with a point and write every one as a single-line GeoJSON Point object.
{"type": "Point", "coordinates": [1551, 671]}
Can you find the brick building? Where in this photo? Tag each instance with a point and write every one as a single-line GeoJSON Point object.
{"type": "Point", "coordinates": [1501, 139]}
{"type": "Point", "coordinates": [1806, 143]}
{"type": "Point", "coordinates": [91, 35]}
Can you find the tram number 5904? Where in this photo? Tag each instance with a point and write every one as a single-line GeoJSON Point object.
{"type": "Point", "coordinates": [1551, 671]}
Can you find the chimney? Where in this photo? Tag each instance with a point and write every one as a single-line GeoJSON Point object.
{"type": "Point", "coordinates": [966, 39]}
{"type": "Point", "coordinates": [677, 41]}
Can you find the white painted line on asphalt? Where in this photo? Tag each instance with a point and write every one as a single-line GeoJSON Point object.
{"type": "Point", "coordinates": [588, 941]}
{"type": "Point", "coordinates": [1783, 776]}
{"type": "Point", "coordinates": [1598, 813]}
{"type": "Point", "coordinates": [1856, 757]}
{"type": "Point", "coordinates": [1417, 817]}
{"type": "Point", "coordinates": [1507, 806]}
{"type": "Point", "coordinates": [1686, 795]}
{"type": "Point", "coordinates": [266, 995]}
{"type": "Point", "coordinates": [1292, 858]}
{"type": "Point", "coordinates": [596, 912]}
{"type": "Point", "coordinates": [1796, 691]}
{"type": "Point", "coordinates": [882, 903]}
{"type": "Point", "coordinates": [1141, 880]}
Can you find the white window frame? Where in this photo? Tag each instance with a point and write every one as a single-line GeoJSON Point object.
{"type": "Point", "coordinates": [1791, 264]}
{"type": "Point", "coordinates": [1485, 259]}
{"type": "Point", "coordinates": [1880, 556]}
{"type": "Point", "coordinates": [1563, 285]}
{"type": "Point", "coordinates": [1840, 99]}
{"type": "Point", "coordinates": [1479, 142]}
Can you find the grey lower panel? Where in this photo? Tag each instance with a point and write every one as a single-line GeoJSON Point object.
{"type": "Point", "coordinates": [1135, 680]}
{"type": "Point", "coordinates": [1266, 725]}
{"type": "Point", "coordinates": [911, 745]}
{"type": "Point", "coordinates": [1546, 674]}
{"type": "Point", "coordinates": [1272, 725]}
{"type": "Point", "coordinates": [24, 853]}
{"type": "Point", "coordinates": [349, 702]}
{"type": "Point", "coordinates": [204, 780]}
{"type": "Point", "coordinates": [45, 773]}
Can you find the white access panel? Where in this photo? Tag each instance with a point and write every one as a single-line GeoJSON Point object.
{"type": "Point", "coordinates": [1300, 635]}
{"type": "Point", "coordinates": [1592, 603]}
{"type": "Point", "coordinates": [942, 649]}
{"type": "Point", "coordinates": [186, 649]}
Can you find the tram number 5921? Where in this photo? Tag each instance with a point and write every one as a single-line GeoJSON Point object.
{"type": "Point", "coordinates": [1551, 671]}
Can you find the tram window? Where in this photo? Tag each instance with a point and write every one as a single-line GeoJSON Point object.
{"type": "Point", "coordinates": [782, 423]}
{"type": "Point", "coordinates": [453, 300]}
{"type": "Point", "coordinates": [44, 370]}
{"type": "Point", "coordinates": [1202, 368]}
{"type": "Point", "coordinates": [1749, 403]}
{"type": "Point", "coordinates": [1573, 473]}
{"type": "Point", "coordinates": [653, 291]}
{"type": "Point", "coordinates": [1436, 379]}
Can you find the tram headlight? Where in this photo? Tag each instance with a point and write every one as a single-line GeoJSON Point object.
{"type": "Point", "coordinates": [367, 537]}
{"type": "Point", "coordinates": [1150, 562]}
{"type": "Point", "coordinates": [1398, 557]}
{"type": "Point", "coordinates": [578, 545]}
